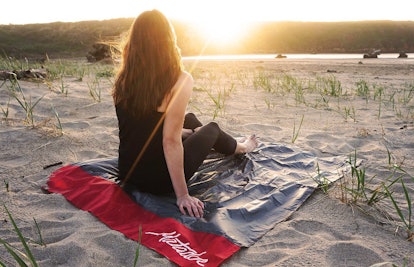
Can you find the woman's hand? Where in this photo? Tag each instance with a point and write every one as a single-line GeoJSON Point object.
{"type": "Point", "coordinates": [192, 205]}
{"type": "Point", "coordinates": [187, 132]}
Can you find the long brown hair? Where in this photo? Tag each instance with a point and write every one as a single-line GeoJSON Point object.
{"type": "Point", "coordinates": [151, 64]}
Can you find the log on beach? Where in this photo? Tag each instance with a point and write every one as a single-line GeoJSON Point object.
{"type": "Point", "coordinates": [7, 75]}
{"type": "Point", "coordinates": [23, 74]}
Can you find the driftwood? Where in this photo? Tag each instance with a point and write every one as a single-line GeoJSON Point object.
{"type": "Point", "coordinates": [99, 52]}
{"type": "Point", "coordinates": [7, 75]}
{"type": "Point", "coordinates": [373, 54]}
{"type": "Point", "coordinates": [402, 55]}
{"type": "Point", "coordinates": [23, 74]}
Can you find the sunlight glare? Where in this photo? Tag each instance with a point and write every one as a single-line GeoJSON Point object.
{"type": "Point", "coordinates": [221, 32]}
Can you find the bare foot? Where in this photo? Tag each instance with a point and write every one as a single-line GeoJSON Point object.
{"type": "Point", "coordinates": [248, 145]}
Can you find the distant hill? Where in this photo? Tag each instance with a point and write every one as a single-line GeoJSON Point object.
{"type": "Point", "coordinates": [58, 39]}
{"type": "Point", "coordinates": [75, 39]}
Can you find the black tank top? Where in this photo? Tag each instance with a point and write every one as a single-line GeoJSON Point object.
{"type": "Point", "coordinates": [151, 173]}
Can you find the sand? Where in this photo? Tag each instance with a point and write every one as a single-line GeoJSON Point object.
{"type": "Point", "coordinates": [254, 97]}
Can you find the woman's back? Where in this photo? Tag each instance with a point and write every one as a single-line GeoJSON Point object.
{"type": "Point", "coordinates": [135, 135]}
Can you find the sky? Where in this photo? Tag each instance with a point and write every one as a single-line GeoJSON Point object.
{"type": "Point", "coordinates": [210, 11]}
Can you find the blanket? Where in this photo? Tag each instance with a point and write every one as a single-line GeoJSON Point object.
{"type": "Point", "coordinates": [245, 196]}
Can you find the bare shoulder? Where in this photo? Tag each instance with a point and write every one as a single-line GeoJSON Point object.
{"type": "Point", "coordinates": [185, 82]}
{"type": "Point", "coordinates": [186, 77]}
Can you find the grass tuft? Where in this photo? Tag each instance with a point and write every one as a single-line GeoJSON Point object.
{"type": "Point", "coordinates": [139, 246]}
{"type": "Point", "coordinates": [296, 131]}
{"type": "Point", "coordinates": [19, 256]}
{"type": "Point", "coordinates": [406, 219]}
{"type": "Point", "coordinates": [27, 104]}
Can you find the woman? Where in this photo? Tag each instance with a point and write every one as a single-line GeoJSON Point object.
{"type": "Point", "coordinates": [161, 147]}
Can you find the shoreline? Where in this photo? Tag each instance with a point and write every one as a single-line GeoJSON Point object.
{"type": "Point", "coordinates": [296, 56]}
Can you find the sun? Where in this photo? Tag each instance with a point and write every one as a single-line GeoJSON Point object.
{"type": "Point", "coordinates": [221, 32]}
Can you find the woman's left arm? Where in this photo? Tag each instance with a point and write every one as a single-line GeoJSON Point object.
{"type": "Point", "coordinates": [173, 147]}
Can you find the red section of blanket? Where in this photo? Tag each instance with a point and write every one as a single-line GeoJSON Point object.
{"type": "Point", "coordinates": [110, 204]}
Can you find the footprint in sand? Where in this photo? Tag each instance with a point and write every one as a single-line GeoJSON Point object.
{"type": "Point", "coordinates": [80, 125]}
{"type": "Point", "coordinates": [324, 142]}
{"type": "Point", "coordinates": [12, 161]}
{"type": "Point", "coordinates": [59, 225]}
{"type": "Point", "coordinates": [340, 252]}
{"type": "Point", "coordinates": [351, 254]}
{"type": "Point", "coordinates": [319, 229]}
{"type": "Point", "coordinates": [278, 245]}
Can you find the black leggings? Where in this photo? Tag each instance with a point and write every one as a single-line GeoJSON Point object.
{"type": "Point", "coordinates": [198, 145]}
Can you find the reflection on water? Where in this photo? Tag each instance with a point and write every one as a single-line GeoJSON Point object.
{"type": "Point", "coordinates": [292, 56]}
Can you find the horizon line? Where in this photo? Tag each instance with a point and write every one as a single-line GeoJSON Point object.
{"type": "Point", "coordinates": [192, 20]}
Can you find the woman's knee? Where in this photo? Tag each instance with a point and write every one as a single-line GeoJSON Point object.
{"type": "Point", "coordinates": [211, 130]}
{"type": "Point", "coordinates": [213, 125]}
{"type": "Point", "coordinates": [190, 115]}
{"type": "Point", "coordinates": [191, 121]}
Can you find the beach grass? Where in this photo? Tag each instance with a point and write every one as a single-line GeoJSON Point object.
{"type": "Point", "coordinates": [406, 217]}
{"type": "Point", "coordinates": [359, 189]}
{"type": "Point", "coordinates": [20, 257]}
{"type": "Point", "coordinates": [295, 134]}
{"type": "Point", "coordinates": [137, 251]}
{"type": "Point", "coordinates": [6, 185]}
{"type": "Point", "coordinates": [58, 73]}
{"type": "Point", "coordinates": [5, 110]}
{"type": "Point", "coordinates": [59, 123]}
{"type": "Point", "coordinates": [95, 90]}
{"type": "Point", "coordinates": [25, 103]}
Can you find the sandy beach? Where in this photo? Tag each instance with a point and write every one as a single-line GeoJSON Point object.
{"type": "Point", "coordinates": [338, 107]}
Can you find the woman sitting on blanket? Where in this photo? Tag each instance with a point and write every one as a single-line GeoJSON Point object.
{"type": "Point", "coordinates": [161, 146]}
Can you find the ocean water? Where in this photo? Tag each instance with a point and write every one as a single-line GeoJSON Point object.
{"type": "Point", "coordinates": [292, 56]}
